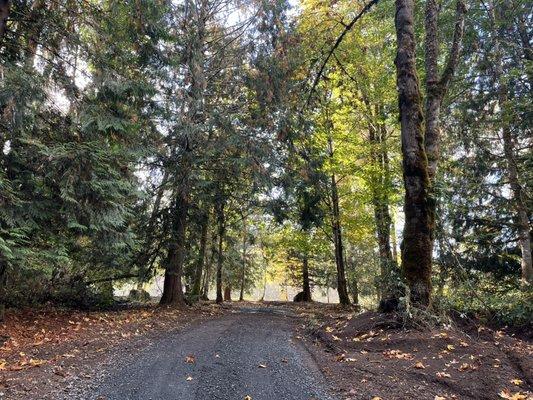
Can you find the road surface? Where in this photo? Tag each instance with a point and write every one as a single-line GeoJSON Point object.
{"type": "Point", "coordinates": [250, 353]}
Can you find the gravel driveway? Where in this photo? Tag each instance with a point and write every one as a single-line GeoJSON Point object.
{"type": "Point", "coordinates": [251, 353]}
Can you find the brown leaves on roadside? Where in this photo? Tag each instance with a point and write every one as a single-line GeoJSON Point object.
{"type": "Point", "coordinates": [419, 365]}
{"type": "Point", "coordinates": [190, 359]}
{"type": "Point", "coordinates": [23, 363]}
{"type": "Point", "coordinates": [398, 354]}
{"type": "Point", "coordinates": [507, 394]}
{"type": "Point", "coordinates": [467, 367]}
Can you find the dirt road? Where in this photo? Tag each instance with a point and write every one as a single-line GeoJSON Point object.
{"type": "Point", "coordinates": [250, 353]}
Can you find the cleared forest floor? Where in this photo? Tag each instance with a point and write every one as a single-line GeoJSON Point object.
{"type": "Point", "coordinates": [53, 354]}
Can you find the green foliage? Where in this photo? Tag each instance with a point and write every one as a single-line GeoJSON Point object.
{"type": "Point", "coordinates": [495, 301]}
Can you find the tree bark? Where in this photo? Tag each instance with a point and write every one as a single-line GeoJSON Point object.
{"type": "Point", "coordinates": [207, 276]}
{"type": "Point", "coordinates": [227, 293]}
{"type": "Point", "coordinates": [201, 256]}
{"type": "Point", "coordinates": [243, 267]}
{"type": "Point", "coordinates": [355, 292]}
{"type": "Point", "coordinates": [306, 285]}
{"type": "Point", "coordinates": [38, 10]}
{"type": "Point", "coordinates": [382, 218]}
{"type": "Point", "coordinates": [220, 260]}
{"type": "Point", "coordinates": [436, 87]}
{"type": "Point", "coordinates": [416, 246]}
{"type": "Point", "coordinates": [194, 59]}
{"type": "Point", "coordinates": [338, 246]}
{"type": "Point", "coordinates": [342, 287]}
{"type": "Point", "coordinates": [172, 287]}
{"type": "Point", "coordinates": [5, 6]}
{"type": "Point", "coordinates": [519, 203]}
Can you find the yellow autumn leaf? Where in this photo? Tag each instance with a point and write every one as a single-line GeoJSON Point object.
{"type": "Point", "coordinates": [517, 382]}
{"type": "Point", "coordinates": [506, 394]}
{"type": "Point", "coordinates": [36, 362]}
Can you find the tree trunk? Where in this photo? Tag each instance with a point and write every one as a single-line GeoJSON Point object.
{"type": "Point", "coordinates": [306, 285]}
{"type": "Point", "coordinates": [436, 87]}
{"type": "Point", "coordinates": [227, 293]}
{"type": "Point", "coordinates": [172, 287]}
{"type": "Point", "coordinates": [342, 286]}
{"type": "Point", "coordinates": [337, 238]}
{"type": "Point", "coordinates": [201, 257]}
{"type": "Point", "coordinates": [522, 218]}
{"type": "Point", "coordinates": [221, 230]}
{"type": "Point", "coordinates": [264, 285]}
{"type": "Point", "coordinates": [36, 23]}
{"type": "Point", "coordinates": [382, 218]}
{"type": "Point", "coordinates": [207, 276]}
{"type": "Point", "coordinates": [519, 203]}
{"type": "Point", "coordinates": [355, 292]}
{"type": "Point", "coordinates": [416, 246]}
{"type": "Point", "coordinates": [394, 243]}
{"type": "Point", "coordinates": [5, 6]}
{"type": "Point", "coordinates": [243, 267]}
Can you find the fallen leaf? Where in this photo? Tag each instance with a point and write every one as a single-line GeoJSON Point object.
{"type": "Point", "coordinates": [517, 382]}
{"type": "Point", "coordinates": [189, 378]}
{"type": "Point", "coordinates": [190, 359]}
{"type": "Point", "coordinates": [247, 398]}
{"type": "Point", "coordinates": [439, 398]}
{"type": "Point", "coordinates": [443, 375]}
{"type": "Point", "coordinates": [419, 365]}
{"type": "Point", "coordinates": [506, 394]}
{"type": "Point", "coordinates": [36, 362]}
{"type": "Point", "coordinates": [262, 366]}
{"type": "Point", "coordinates": [398, 354]}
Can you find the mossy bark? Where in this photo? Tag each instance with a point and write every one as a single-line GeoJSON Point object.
{"type": "Point", "coordinates": [417, 241]}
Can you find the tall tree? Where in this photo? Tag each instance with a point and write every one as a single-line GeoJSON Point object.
{"type": "Point", "coordinates": [419, 142]}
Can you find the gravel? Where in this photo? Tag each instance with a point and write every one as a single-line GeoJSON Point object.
{"type": "Point", "coordinates": [250, 353]}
